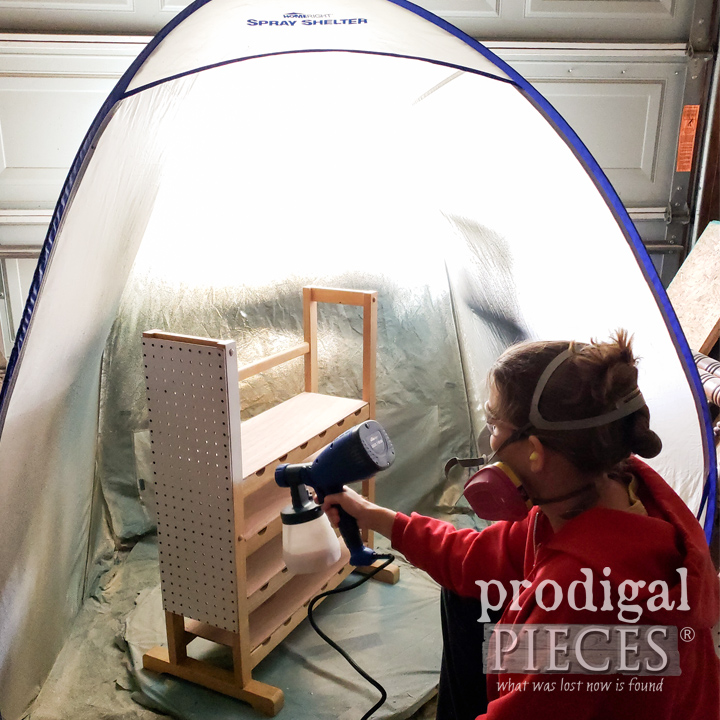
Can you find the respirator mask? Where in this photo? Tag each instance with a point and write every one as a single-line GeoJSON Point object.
{"type": "Point", "coordinates": [495, 492]}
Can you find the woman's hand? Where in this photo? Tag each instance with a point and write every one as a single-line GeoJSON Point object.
{"type": "Point", "coordinates": [368, 515]}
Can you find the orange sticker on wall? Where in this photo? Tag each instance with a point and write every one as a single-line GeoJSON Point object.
{"type": "Point", "coordinates": [686, 141]}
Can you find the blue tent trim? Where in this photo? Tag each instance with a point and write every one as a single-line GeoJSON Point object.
{"type": "Point", "coordinates": [232, 61]}
{"type": "Point", "coordinates": [565, 131]}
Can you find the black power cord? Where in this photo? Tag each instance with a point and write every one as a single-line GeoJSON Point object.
{"type": "Point", "coordinates": [383, 694]}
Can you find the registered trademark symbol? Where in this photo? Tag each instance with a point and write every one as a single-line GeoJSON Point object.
{"type": "Point", "coordinates": [687, 634]}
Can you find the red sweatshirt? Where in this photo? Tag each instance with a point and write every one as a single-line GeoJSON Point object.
{"type": "Point", "coordinates": [634, 547]}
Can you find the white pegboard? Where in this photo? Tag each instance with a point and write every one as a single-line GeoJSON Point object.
{"type": "Point", "coordinates": [187, 386]}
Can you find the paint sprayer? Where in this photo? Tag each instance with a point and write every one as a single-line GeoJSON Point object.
{"type": "Point", "coordinates": [309, 543]}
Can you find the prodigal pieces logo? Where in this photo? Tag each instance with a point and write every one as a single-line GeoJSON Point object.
{"type": "Point", "coordinates": [582, 649]}
{"type": "Point", "coordinates": [585, 649]}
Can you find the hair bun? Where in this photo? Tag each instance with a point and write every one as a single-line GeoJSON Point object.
{"type": "Point", "coordinates": [614, 367]}
{"type": "Point", "coordinates": [643, 441]}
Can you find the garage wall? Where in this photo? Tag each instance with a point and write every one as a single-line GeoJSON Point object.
{"type": "Point", "coordinates": [567, 20]}
{"type": "Point", "coordinates": [624, 99]}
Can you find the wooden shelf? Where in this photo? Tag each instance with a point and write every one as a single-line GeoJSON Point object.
{"type": "Point", "coordinates": [266, 572]}
{"type": "Point", "coordinates": [323, 418]}
{"type": "Point", "coordinates": [276, 618]}
{"type": "Point", "coordinates": [272, 612]}
{"type": "Point", "coordinates": [264, 535]}
{"type": "Point", "coordinates": [262, 508]}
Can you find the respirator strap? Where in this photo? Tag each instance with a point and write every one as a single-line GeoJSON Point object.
{"type": "Point", "coordinates": [485, 459]}
{"type": "Point", "coordinates": [465, 462]}
{"type": "Point", "coordinates": [567, 496]}
{"type": "Point", "coordinates": [627, 405]}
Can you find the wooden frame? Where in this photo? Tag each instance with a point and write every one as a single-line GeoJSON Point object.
{"type": "Point", "coordinates": [270, 601]}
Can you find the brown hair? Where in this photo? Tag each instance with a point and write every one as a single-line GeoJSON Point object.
{"type": "Point", "coordinates": [591, 382]}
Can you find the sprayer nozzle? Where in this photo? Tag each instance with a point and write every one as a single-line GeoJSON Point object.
{"type": "Point", "coordinates": [291, 475]}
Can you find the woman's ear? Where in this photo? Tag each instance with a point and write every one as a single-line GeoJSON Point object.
{"type": "Point", "coordinates": [538, 454]}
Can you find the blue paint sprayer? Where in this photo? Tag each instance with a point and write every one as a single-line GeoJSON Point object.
{"type": "Point", "coordinates": [309, 543]}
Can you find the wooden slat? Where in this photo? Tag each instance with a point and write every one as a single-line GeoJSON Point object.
{"type": "Point", "coordinates": [370, 310]}
{"type": "Point", "coordinates": [263, 535]}
{"type": "Point", "coordinates": [303, 452]}
{"type": "Point", "coordinates": [247, 371]}
{"type": "Point", "coordinates": [242, 663]}
{"type": "Point", "coordinates": [266, 572]}
{"type": "Point", "coordinates": [176, 337]}
{"type": "Point", "coordinates": [269, 589]}
{"type": "Point", "coordinates": [209, 632]}
{"type": "Point", "coordinates": [338, 296]}
{"type": "Point", "coordinates": [310, 330]}
{"type": "Point", "coordinates": [263, 507]}
{"type": "Point", "coordinates": [300, 590]}
{"type": "Point", "coordinates": [275, 619]}
{"type": "Point", "coordinates": [389, 575]}
{"type": "Point", "coordinates": [303, 418]}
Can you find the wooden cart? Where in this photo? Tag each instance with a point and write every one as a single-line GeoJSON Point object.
{"type": "Point", "coordinates": [218, 507]}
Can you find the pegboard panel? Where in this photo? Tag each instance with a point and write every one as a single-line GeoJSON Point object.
{"type": "Point", "coordinates": [190, 416]}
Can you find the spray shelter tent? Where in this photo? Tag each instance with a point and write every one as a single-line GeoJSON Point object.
{"type": "Point", "coordinates": [259, 146]}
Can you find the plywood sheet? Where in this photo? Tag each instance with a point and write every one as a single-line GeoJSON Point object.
{"type": "Point", "coordinates": [695, 291]}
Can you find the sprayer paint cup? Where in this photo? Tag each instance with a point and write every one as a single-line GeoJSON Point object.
{"type": "Point", "coordinates": [310, 546]}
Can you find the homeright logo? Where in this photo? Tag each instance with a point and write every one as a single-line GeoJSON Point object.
{"type": "Point", "coordinates": [293, 19]}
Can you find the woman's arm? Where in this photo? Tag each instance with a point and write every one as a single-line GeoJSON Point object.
{"type": "Point", "coordinates": [456, 559]}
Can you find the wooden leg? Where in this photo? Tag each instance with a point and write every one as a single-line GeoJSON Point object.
{"type": "Point", "coordinates": [389, 575]}
{"type": "Point", "coordinates": [237, 683]}
{"type": "Point", "coordinates": [177, 638]}
{"type": "Point", "coordinates": [241, 669]}
{"type": "Point", "coordinates": [264, 698]}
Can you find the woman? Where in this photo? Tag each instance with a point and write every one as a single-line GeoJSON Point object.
{"type": "Point", "coordinates": [604, 542]}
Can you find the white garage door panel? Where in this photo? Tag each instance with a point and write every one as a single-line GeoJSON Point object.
{"type": "Point", "coordinates": [65, 5]}
{"type": "Point", "coordinates": [21, 235]}
{"type": "Point", "coordinates": [67, 55]}
{"type": "Point", "coordinates": [42, 123]}
{"type": "Point", "coordinates": [596, 9]}
{"type": "Point", "coordinates": [594, 20]}
{"type": "Point", "coordinates": [592, 107]}
{"type": "Point", "coordinates": [109, 17]}
{"type": "Point", "coordinates": [30, 187]}
{"type": "Point", "coordinates": [625, 109]}
{"type": "Point", "coordinates": [464, 12]}
{"type": "Point", "coordinates": [620, 124]}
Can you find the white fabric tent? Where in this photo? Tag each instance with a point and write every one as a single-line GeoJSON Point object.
{"type": "Point", "coordinates": [262, 144]}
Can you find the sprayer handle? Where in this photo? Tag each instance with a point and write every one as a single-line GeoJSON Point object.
{"type": "Point", "coordinates": [360, 555]}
